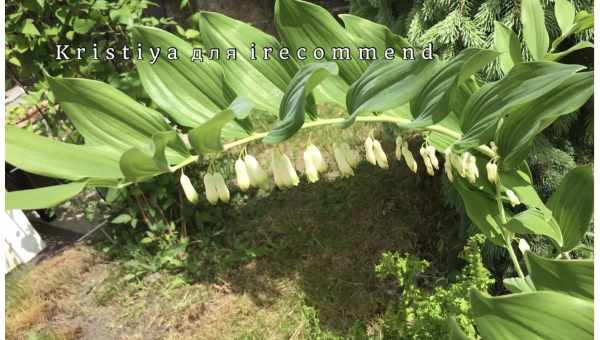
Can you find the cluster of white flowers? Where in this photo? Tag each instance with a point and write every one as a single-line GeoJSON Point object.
{"type": "Point", "coordinates": [284, 172]}
{"type": "Point", "coordinates": [215, 187]}
{"type": "Point", "coordinates": [375, 154]}
{"type": "Point", "coordinates": [314, 163]}
{"type": "Point", "coordinates": [402, 151]}
{"type": "Point", "coordinates": [429, 158]}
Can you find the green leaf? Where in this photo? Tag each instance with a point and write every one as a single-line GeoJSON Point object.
{"type": "Point", "coordinates": [559, 55]}
{"type": "Point", "coordinates": [519, 285]}
{"type": "Point", "coordinates": [583, 21]}
{"type": "Point", "coordinates": [432, 103]}
{"type": "Point", "coordinates": [47, 157]}
{"type": "Point", "coordinates": [573, 277]}
{"type": "Point", "coordinates": [261, 81]}
{"type": "Point", "coordinates": [206, 138]}
{"type": "Point", "coordinates": [565, 14]}
{"type": "Point", "coordinates": [121, 219]}
{"type": "Point", "coordinates": [42, 198]}
{"type": "Point", "coordinates": [538, 315]}
{"type": "Point", "coordinates": [297, 96]}
{"type": "Point", "coordinates": [83, 26]}
{"type": "Point", "coordinates": [369, 33]}
{"type": "Point", "coordinates": [29, 28]}
{"type": "Point", "coordinates": [536, 222]}
{"type": "Point", "coordinates": [191, 93]}
{"type": "Point", "coordinates": [525, 83]}
{"type": "Point", "coordinates": [386, 85]}
{"type": "Point", "coordinates": [106, 116]}
{"type": "Point", "coordinates": [534, 28]}
{"type": "Point", "coordinates": [301, 24]}
{"type": "Point", "coordinates": [519, 181]}
{"type": "Point", "coordinates": [507, 43]}
{"type": "Point", "coordinates": [455, 332]}
{"type": "Point", "coordinates": [140, 164]}
{"type": "Point", "coordinates": [519, 129]}
{"type": "Point", "coordinates": [573, 205]}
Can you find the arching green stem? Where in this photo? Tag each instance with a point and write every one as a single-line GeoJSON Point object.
{"type": "Point", "coordinates": [507, 235]}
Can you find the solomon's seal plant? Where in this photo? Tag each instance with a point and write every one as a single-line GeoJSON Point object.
{"type": "Point", "coordinates": [484, 131]}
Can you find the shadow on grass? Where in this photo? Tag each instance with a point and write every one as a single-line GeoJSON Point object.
{"type": "Point", "coordinates": [327, 238]}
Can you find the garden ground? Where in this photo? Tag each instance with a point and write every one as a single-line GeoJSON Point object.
{"type": "Point", "coordinates": [297, 264]}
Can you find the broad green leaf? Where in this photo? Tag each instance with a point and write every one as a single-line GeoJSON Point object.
{"type": "Point", "coordinates": [372, 34]}
{"type": "Point", "coordinates": [261, 81]}
{"type": "Point", "coordinates": [525, 83]}
{"type": "Point", "coordinates": [583, 21]}
{"type": "Point", "coordinates": [42, 198]}
{"type": "Point", "coordinates": [518, 130]}
{"type": "Point", "coordinates": [386, 85]}
{"type": "Point", "coordinates": [206, 138]}
{"type": "Point", "coordinates": [573, 205]}
{"type": "Point", "coordinates": [539, 315]}
{"type": "Point", "coordinates": [519, 181]}
{"type": "Point", "coordinates": [519, 285]}
{"type": "Point", "coordinates": [565, 14]}
{"type": "Point", "coordinates": [29, 28]}
{"type": "Point", "coordinates": [455, 332]}
{"type": "Point", "coordinates": [83, 26]}
{"type": "Point", "coordinates": [536, 222]}
{"type": "Point", "coordinates": [301, 24]}
{"type": "Point", "coordinates": [106, 116]}
{"type": "Point", "coordinates": [432, 103]}
{"type": "Point", "coordinates": [559, 55]}
{"type": "Point", "coordinates": [507, 43]}
{"type": "Point", "coordinates": [534, 28]}
{"type": "Point", "coordinates": [139, 164]}
{"type": "Point", "coordinates": [573, 277]}
{"type": "Point", "coordinates": [190, 92]}
{"type": "Point", "coordinates": [47, 157]}
{"type": "Point", "coordinates": [294, 103]}
{"type": "Point", "coordinates": [441, 141]}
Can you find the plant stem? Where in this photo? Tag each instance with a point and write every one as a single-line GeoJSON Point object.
{"type": "Point", "coordinates": [507, 234]}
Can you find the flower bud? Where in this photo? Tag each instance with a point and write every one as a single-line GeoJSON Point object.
{"type": "Point", "coordinates": [524, 246]}
{"type": "Point", "coordinates": [492, 172]}
{"type": "Point", "coordinates": [380, 156]}
{"type": "Point", "coordinates": [222, 189]}
{"type": "Point", "coordinates": [408, 158]}
{"type": "Point", "coordinates": [340, 153]}
{"type": "Point", "coordinates": [398, 151]}
{"type": "Point", "coordinates": [351, 156]}
{"type": "Point", "coordinates": [258, 177]}
{"type": "Point", "coordinates": [309, 165]}
{"type": "Point", "coordinates": [448, 169]}
{"type": "Point", "coordinates": [370, 153]}
{"type": "Point", "coordinates": [188, 188]}
{"type": "Point", "coordinates": [431, 154]}
{"type": "Point", "coordinates": [512, 197]}
{"type": "Point", "coordinates": [318, 159]}
{"type": "Point", "coordinates": [242, 176]}
{"type": "Point", "coordinates": [211, 190]}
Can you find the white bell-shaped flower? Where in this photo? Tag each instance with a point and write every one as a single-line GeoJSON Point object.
{"type": "Point", "coordinates": [310, 167]}
{"type": "Point", "coordinates": [448, 163]}
{"type": "Point", "coordinates": [409, 159]}
{"type": "Point", "coordinates": [370, 152]}
{"type": "Point", "coordinates": [318, 159]}
{"type": "Point", "coordinates": [341, 160]}
{"type": "Point", "coordinates": [210, 189]}
{"type": "Point", "coordinates": [492, 171]}
{"type": "Point", "coordinates": [380, 156]}
{"type": "Point", "coordinates": [398, 150]}
{"type": "Point", "coordinates": [431, 154]}
{"type": "Point", "coordinates": [241, 174]}
{"type": "Point", "coordinates": [283, 170]}
{"type": "Point", "coordinates": [512, 198]}
{"type": "Point", "coordinates": [222, 189]}
{"type": "Point", "coordinates": [258, 177]}
{"type": "Point", "coordinates": [188, 189]}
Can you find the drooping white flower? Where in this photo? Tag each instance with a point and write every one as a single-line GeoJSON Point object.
{"type": "Point", "coordinates": [210, 189]}
{"type": "Point", "coordinates": [408, 158]}
{"type": "Point", "coordinates": [222, 189]}
{"type": "Point", "coordinates": [464, 164]}
{"type": "Point", "coordinates": [351, 156]}
{"type": "Point", "coordinates": [524, 246]}
{"type": "Point", "coordinates": [380, 156]}
{"type": "Point", "coordinates": [242, 176]}
{"type": "Point", "coordinates": [318, 159]}
{"type": "Point", "coordinates": [431, 154]}
{"type": "Point", "coordinates": [370, 153]}
{"type": "Point", "coordinates": [398, 150]}
{"type": "Point", "coordinates": [283, 170]}
{"type": "Point", "coordinates": [188, 189]}
{"type": "Point", "coordinates": [512, 198]}
{"type": "Point", "coordinates": [258, 177]}
{"type": "Point", "coordinates": [492, 172]}
{"type": "Point", "coordinates": [448, 164]}
{"type": "Point", "coordinates": [426, 161]}
{"type": "Point", "coordinates": [469, 167]}
{"type": "Point", "coordinates": [291, 172]}
{"type": "Point", "coordinates": [310, 167]}
{"type": "Point", "coordinates": [340, 155]}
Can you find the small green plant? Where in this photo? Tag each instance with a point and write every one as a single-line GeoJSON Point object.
{"type": "Point", "coordinates": [426, 302]}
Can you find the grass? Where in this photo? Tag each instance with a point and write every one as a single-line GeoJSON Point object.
{"type": "Point", "coordinates": [294, 264]}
